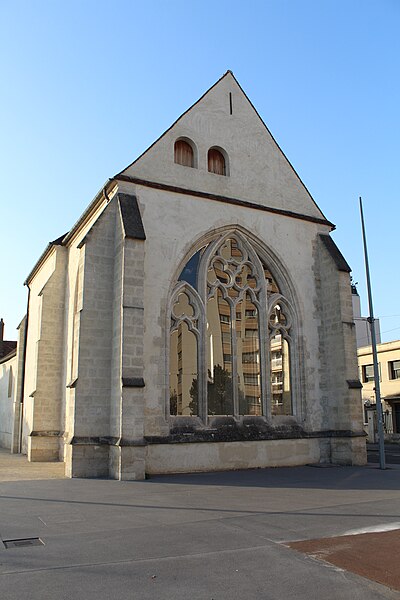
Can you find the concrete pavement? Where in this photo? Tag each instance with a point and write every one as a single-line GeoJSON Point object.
{"type": "Point", "coordinates": [203, 536]}
{"type": "Point", "coordinates": [15, 467]}
{"type": "Point", "coordinates": [392, 453]}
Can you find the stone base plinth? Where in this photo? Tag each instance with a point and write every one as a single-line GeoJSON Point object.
{"type": "Point", "coordinates": [221, 456]}
{"type": "Point", "coordinates": [86, 460]}
{"type": "Point", "coordinates": [133, 463]}
{"type": "Point", "coordinates": [128, 463]}
{"type": "Point", "coordinates": [349, 451]}
{"type": "Point", "coordinates": [43, 448]}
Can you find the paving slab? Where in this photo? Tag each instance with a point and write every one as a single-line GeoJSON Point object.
{"type": "Point", "coordinates": [15, 467]}
{"type": "Point", "coordinates": [217, 536]}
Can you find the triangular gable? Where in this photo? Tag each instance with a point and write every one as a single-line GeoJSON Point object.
{"type": "Point", "coordinates": [259, 172]}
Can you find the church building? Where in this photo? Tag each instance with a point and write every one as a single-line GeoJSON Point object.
{"type": "Point", "coordinates": [197, 317]}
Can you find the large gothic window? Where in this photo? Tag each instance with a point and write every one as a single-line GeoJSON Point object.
{"type": "Point", "coordinates": [231, 332]}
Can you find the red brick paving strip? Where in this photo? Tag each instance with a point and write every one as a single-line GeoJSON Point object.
{"type": "Point", "coordinates": [371, 555]}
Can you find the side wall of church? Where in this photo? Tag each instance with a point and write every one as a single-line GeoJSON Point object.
{"type": "Point", "coordinates": [129, 446]}
{"type": "Point", "coordinates": [105, 401]}
{"type": "Point", "coordinates": [88, 404]}
{"type": "Point", "coordinates": [340, 401]}
{"type": "Point", "coordinates": [8, 379]}
{"type": "Point", "coordinates": [116, 357]}
{"type": "Point", "coordinates": [18, 405]}
{"type": "Point", "coordinates": [33, 337]}
{"type": "Point", "coordinates": [74, 304]}
{"type": "Point", "coordinates": [43, 378]}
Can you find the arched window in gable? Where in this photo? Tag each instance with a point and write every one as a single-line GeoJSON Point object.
{"type": "Point", "coordinates": [183, 153]}
{"type": "Point", "coordinates": [216, 162]}
{"type": "Point", "coordinates": [230, 336]}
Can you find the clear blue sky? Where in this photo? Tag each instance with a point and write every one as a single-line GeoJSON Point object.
{"type": "Point", "coordinates": [88, 85]}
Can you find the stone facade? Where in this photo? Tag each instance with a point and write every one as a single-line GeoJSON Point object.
{"type": "Point", "coordinates": [8, 369]}
{"type": "Point", "coordinates": [97, 382]}
{"type": "Point", "coordinates": [11, 393]}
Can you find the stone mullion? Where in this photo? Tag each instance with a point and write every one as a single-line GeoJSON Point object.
{"type": "Point", "coordinates": [234, 361]}
{"type": "Point", "coordinates": [265, 359]}
{"type": "Point", "coordinates": [202, 367]}
{"type": "Point", "coordinates": [292, 370]}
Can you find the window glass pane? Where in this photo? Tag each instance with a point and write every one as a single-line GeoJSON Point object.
{"type": "Point", "coordinates": [280, 376]}
{"type": "Point", "coordinates": [277, 317]}
{"type": "Point", "coordinates": [246, 277]}
{"type": "Point", "coordinates": [183, 371]}
{"type": "Point", "coordinates": [216, 273]}
{"type": "Point", "coordinates": [281, 398]}
{"type": "Point", "coordinates": [219, 357]}
{"type": "Point", "coordinates": [272, 287]}
{"type": "Point", "coordinates": [248, 359]}
{"type": "Point", "coordinates": [182, 306]}
{"type": "Point", "coordinates": [189, 272]}
{"type": "Point", "coordinates": [394, 369]}
{"type": "Point", "coordinates": [368, 373]}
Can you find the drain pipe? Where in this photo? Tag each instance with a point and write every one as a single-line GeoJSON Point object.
{"type": "Point", "coordinates": [21, 406]}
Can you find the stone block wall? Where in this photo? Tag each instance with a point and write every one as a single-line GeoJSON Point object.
{"type": "Point", "coordinates": [116, 357]}
{"type": "Point", "coordinates": [8, 372]}
{"type": "Point", "coordinates": [185, 458]}
{"type": "Point", "coordinates": [17, 408]}
{"type": "Point", "coordinates": [128, 368]}
{"type": "Point", "coordinates": [45, 423]}
{"type": "Point", "coordinates": [90, 399]}
{"type": "Point", "coordinates": [339, 396]}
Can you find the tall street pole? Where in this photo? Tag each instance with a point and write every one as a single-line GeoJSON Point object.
{"type": "Point", "coordinates": [371, 321]}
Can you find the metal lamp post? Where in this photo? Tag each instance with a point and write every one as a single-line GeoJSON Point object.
{"type": "Point", "coordinates": [371, 322]}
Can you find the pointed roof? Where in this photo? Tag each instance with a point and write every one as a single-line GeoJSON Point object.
{"type": "Point", "coordinates": [259, 172]}
{"type": "Point", "coordinates": [261, 177]}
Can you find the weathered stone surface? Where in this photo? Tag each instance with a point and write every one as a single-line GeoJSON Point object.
{"type": "Point", "coordinates": [97, 361]}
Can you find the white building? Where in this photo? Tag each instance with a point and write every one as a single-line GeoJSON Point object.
{"type": "Point", "coordinates": [198, 316]}
{"type": "Point", "coordinates": [389, 383]}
